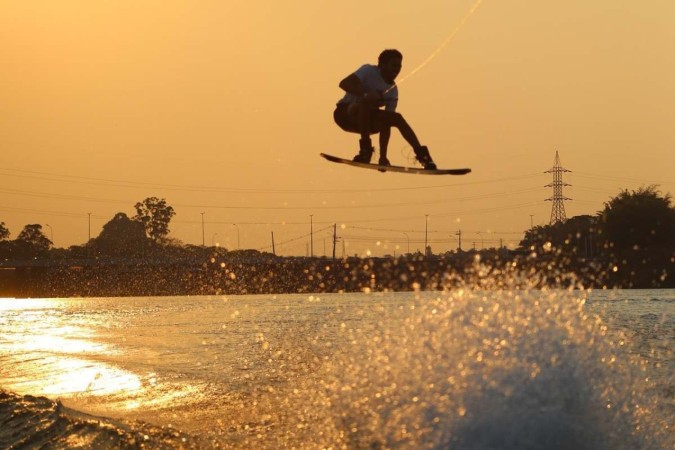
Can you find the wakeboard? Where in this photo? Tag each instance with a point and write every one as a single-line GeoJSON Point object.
{"type": "Point", "coordinates": [401, 169]}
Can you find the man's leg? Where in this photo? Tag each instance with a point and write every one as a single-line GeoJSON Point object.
{"type": "Point", "coordinates": [385, 133]}
{"type": "Point", "coordinates": [362, 114]}
{"type": "Point", "coordinates": [386, 119]}
{"type": "Point", "coordinates": [364, 120]}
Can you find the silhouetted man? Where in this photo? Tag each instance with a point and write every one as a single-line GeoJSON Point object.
{"type": "Point", "coordinates": [368, 90]}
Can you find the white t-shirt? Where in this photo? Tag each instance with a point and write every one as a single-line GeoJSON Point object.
{"type": "Point", "coordinates": [372, 79]}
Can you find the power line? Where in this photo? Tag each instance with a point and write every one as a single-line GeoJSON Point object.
{"type": "Point", "coordinates": [60, 196]}
{"type": "Point", "coordinates": [298, 238]}
{"type": "Point", "coordinates": [50, 176]}
{"type": "Point", "coordinates": [258, 207]}
{"type": "Point", "coordinates": [615, 178]}
{"type": "Point", "coordinates": [50, 213]}
{"type": "Point", "coordinates": [432, 231]}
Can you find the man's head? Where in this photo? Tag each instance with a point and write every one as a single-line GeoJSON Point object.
{"type": "Point", "coordinates": [389, 62]}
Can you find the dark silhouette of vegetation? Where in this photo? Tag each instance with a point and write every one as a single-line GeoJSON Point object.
{"type": "Point", "coordinates": [630, 244]}
{"type": "Point", "coordinates": [642, 219]}
{"type": "Point", "coordinates": [33, 240]}
{"type": "Point", "coordinates": [638, 219]}
{"type": "Point", "coordinates": [4, 232]}
{"type": "Point", "coordinates": [30, 243]}
{"type": "Point", "coordinates": [578, 236]}
{"type": "Point", "coordinates": [155, 215]}
{"type": "Point", "coordinates": [121, 236]}
{"type": "Point", "coordinates": [632, 239]}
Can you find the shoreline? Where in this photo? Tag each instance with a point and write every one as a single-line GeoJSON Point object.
{"type": "Point", "coordinates": [273, 275]}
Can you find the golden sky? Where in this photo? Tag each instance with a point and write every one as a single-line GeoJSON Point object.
{"type": "Point", "coordinates": [222, 108]}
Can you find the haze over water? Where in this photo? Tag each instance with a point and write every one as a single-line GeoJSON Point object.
{"type": "Point", "coordinates": [466, 369]}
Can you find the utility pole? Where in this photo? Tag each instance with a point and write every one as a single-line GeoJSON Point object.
{"type": "Point", "coordinates": [89, 226]}
{"type": "Point", "coordinates": [334, 239]}
{"type": "Point", "coordinates": [202, 229]}
{"type": "Point", "coordinates": [459, 233]}
{"type": "Point", "coordinates": [273, 251]}
{"type": "Point", "coordinates": [426, 233]}
{"type": "Point", "coordinates": [311, 236]}
{"type": "Point", "coordinates": [238, 236]}
{"type": "Point", "coordinates": [531, 221]}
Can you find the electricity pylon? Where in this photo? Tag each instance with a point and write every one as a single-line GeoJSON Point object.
{"type": "Point", "coordinates": [558, 199]}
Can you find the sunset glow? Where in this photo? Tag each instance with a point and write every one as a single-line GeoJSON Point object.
{"type": "Point", "coordinates": [222, 108]}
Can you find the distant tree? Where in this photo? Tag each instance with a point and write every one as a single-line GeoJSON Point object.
{"type": "Point", "coordinates": [4, 231]}
{"type": "Point", "coordinates": [7, 249]}
{"type": "Point", "coordinates": [6, 246]}
{"type": "Point", "coordinates": [32, 240]}
{"type": "Point", "coordinates": [80, 251]}
{"type": "Point", "coordinates": [576, 235]}
{"type": "Point", "coordinates": [173, 242]}
{"type": "Point", "coordinates": [534, 237]}
{"type": "Point", "coordinates": [155, 216]}
{"type": "Point", "coordinates": [638, 219]}
{"type": "Point", "coordinates": [121, 236]}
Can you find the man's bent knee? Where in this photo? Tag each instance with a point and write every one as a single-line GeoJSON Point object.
{"type": "Point", "coordinates": [396, 119]}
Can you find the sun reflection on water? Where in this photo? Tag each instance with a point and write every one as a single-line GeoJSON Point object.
{"type": "Point", "coordinates": [42, 355]}
{"type": "Point", "coordinates": [59, 348]}
{"type": "Point", "coordinates": [74, 377]}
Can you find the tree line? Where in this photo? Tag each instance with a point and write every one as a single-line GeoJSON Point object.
{"type": "Point", "coordinates": [634, 224]}
{"type": "Point", "coordinates": [122, 235]}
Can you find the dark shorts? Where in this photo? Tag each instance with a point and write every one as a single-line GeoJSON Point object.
{"type": "Point", "coordinates": [343, 119]}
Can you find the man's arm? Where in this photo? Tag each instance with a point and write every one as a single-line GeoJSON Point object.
{"type": "Point", "coordinates": [354, 86]}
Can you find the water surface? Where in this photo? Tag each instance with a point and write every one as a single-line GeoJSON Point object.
{"type": "Point", "coordinates": [469, 369]}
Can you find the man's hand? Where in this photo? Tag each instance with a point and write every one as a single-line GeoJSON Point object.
{"type": "Point", "coordinates": [373, 97]}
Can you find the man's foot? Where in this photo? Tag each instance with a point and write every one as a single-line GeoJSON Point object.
{"type": "Point", "coordinates": [365, 151]}
{"type": "Point", "coordinates": [383, 161]}
{"type": "Point", "coordinates": [362, 157]}
{"type": "Point", "coordinates": [423, 156]}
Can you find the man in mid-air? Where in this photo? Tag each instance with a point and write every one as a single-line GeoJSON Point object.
{"type": "Point", "coordinates": [368, 90]}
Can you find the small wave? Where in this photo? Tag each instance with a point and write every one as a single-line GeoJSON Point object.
{"type": "Point", "coordinates": [37, 422]}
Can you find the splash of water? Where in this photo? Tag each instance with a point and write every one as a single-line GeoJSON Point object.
{"type": "Point", "coordinates": [473, 368]}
